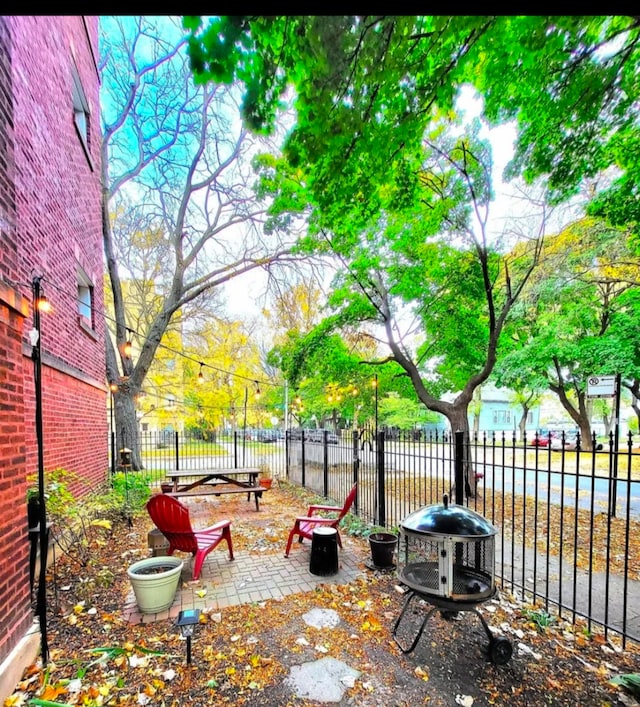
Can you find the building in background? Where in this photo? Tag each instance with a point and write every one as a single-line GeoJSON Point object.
{"type": "Point", "coordinates": [498, 413]}
{"type": "Point", "coordinates": [50, 228]}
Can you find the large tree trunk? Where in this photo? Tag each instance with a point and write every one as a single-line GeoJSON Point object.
{"type": "Point", "coordinates": [522, 424]}
{"type": "Point", "coordinates": [579, 415]}
{"type": "Point", "coordinates": [459, 421]}
{"type": "Point", "coordinates": [126, 428]}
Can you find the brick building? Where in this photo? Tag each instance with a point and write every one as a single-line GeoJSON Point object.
{"type": "Point", "coordinates": [50, 227]}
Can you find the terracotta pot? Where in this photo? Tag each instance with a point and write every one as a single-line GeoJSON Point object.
{"type": "Point", "coordinates": [266, 483]}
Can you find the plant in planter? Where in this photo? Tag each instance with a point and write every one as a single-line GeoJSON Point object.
{"type": "Point", "coordinates": [155, 581]}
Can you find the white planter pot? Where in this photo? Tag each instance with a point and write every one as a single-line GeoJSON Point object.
{"type": "Point", "coordinates": [155, 582]}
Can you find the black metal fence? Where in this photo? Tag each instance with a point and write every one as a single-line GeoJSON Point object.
{"type": "Point", "coordinates": [165, 451]}
{"type": "Point", "coordinates": [567, 519]}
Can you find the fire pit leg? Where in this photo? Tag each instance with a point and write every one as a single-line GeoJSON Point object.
{"type": "Point", "coordinates": [484, 623]}
{"type": "Point", "coordinates": [500, 649]}
{"type": "Point", "coordinates": [410, 596]}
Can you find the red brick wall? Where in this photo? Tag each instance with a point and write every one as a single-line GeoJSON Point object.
{"type": "Point", "coordinates": [50, 226]}
{"type": "Point", "coordinates": [58, 195]}
{"type": "Point", "coordinates": [58, 187]}
{"type": "Point", "coordinates": [15, 606]}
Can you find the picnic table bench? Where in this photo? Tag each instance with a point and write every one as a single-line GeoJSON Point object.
{"type": "Point", "coordinates": [215, 482]}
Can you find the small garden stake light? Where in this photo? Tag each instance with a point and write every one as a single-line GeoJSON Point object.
{"type": "Point", "coordinates": [187, 621]}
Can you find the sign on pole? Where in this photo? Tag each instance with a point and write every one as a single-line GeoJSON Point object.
{"type": "Point", "coordinates": [601, 386]}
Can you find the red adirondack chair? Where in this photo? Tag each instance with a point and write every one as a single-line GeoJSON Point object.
{"type": "Point", "coordinates": [172, 519]}
{"type": "Point", "coordinates": [305, 525]}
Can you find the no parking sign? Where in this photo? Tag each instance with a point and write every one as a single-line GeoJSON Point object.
{"type": "Point", "coordinates": [601, 386]}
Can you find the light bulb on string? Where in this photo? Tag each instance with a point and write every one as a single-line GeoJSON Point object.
{"type": "Point", "coordinates": [200, 374]}
{"type": "Point", "coordinates": [257, 390]}
{"type": "Point", "coordinates": [128, 347]}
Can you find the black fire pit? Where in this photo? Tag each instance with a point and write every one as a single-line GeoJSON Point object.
{"type": "Point", "coordinates": [446, 557]}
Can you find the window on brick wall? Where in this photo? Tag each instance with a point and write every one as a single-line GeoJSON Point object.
{"type": "Point", "coordinates": [81, 115]}
{"type": "Point", "coordinates": [85, 298]}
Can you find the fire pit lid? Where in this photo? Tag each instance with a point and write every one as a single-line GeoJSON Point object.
{"type": "Point", "coordinates": [445, 519]}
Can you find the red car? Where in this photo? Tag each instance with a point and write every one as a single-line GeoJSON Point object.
{"type": "Point", "coordinates": [541, 438]}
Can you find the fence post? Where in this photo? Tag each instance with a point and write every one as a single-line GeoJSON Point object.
{"type": "Point", "coordinates": [613, 494]}
{"type": "Point", "coordinates": [287, 452]}
{"type": "Point", "coordinates": [235, 449]}
{"type": "Point", "coordinates": [356, 462]}
{"type": "Point", "coordinates": [325, 462]}
{"type": "Point", "coordinates": [458, 465]}
{"type": "Point", "coordinates": [303, 475]}
{"type": "Point", "coordinates": [112, 436]}
{"type": "Point", "coordinates": [382, 502]}
{"type": "Point", "coordinates": [355, 440]}
{"type": "Point", "coordinates": [176, 446]}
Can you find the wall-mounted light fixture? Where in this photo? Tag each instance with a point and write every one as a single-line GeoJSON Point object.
{"type": "Point", "coordinates": [43, 304]}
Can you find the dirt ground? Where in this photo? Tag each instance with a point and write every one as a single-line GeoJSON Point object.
{"type": "Point", "coordinates": [243, 655]}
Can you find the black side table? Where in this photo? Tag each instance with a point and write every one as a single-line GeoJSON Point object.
{"type": "Point", "coordinates": [324, 551]}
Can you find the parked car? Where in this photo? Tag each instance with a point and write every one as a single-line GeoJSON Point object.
{"type": "Point", "coordinates": [569, 437]}
{"type": "Point", "coordinates": [263, 435]}
{"type": "Point", "coordinates": [541, 438]}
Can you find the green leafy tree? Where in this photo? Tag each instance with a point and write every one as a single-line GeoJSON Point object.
{"type": "Point", "coordinates": [431, 281]}
{"type": "Point", "coordinates": [403, 413]}
{"type": "Point", "coordinates": [366, 88]}
{"type": "Point", "coordinates": [625, 328]}
{"type": "Point", "coordinates": [576, 319]}
{"type": "Point", "coordinates": [403, 208]}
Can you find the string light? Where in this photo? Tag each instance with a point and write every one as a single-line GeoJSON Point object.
{"type": "Point", "coordinates": [200, 374]}
{"type": "Point", "coordinates": [44, 305]}
{"type": "Point", "coordinates": [128, 347]}
{"type": "Point", "coordinates": [257, 390]}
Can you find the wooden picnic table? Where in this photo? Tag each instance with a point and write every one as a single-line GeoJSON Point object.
{"type": "Point", "coordinates": [216, 482]}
